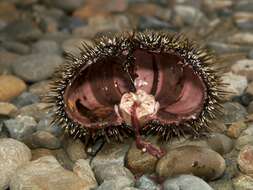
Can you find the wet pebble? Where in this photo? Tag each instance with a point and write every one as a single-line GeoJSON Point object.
{"type": "Point", "coordinates": [43, 139]}
{"type": "Point", "coordinates": [46, 173]}
{"type": "Point", "coordinates": [186, 182]}
{"type": "Point", "coordinates": [21, 127]}
{"type": "Point", "coordinates": [236, 84]}
{"type": "Point", "coordinates": [7, 109]}
{"type": "Point", "coordinates": [139, 162]}
{"type": "Point", "coordinates": [46, 47]}
{"type": "Point", "coordinates": [245, 159]}
{"type": "Point", "coordinates": [30, 67]}
{"type": "Point", "coordinates": [202, 162]}
{"type": "Point", "coordinates": [145, 183]}
{"type": "Point", "coordinates": [244, 67]}
{"type": "Point", "coordinates": [75, 149]}
{"type": "Point", "coordinates": [110, 172]}
{"type": "Point", "coordinates": [233, 112]}
{"type": "Point", "coordinates": [6, 60]}
{"type": "Point", "coordinates": [243, 182]}
{"type": "Point", "coordinates": [36, 110]}
{"type": "Point", "coordinates": [16, 47]}
{"type": "Point", "coordinates": [83, 170]}
{"type": "Point", "coordinates": [243, 140]}
{"type": "Point", "coordinates": [10, 87]}
{"type": "Point", "coordinates": [25, 98]}
{"type": "Point", "coordinates": [116, 183]}
{"type": "Point", "coordinates": [236, 128]}
{"type": "Point", "coordinates": [13, 154]}
{"type": "Point", "coordinates": [40, 88]}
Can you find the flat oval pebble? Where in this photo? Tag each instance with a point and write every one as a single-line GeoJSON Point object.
{"type": "Point", "coordinates": [46, 173]}
{"type": "Point", "coordinates": [199, 161]}
{"type": "Point", "coordinates": [13, 154]}
{"type": "Point", "coordinates": [186, 182]}
{"type": "Point", "coordinates": [10, 87]}
{"type": "Point", "coordinates": [245, 159]}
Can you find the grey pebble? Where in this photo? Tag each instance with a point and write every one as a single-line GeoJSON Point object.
{"type": "Point", "coordinates": [145, 183]}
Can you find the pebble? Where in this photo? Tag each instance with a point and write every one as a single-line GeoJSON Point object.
{"type": "Point", "coordinates": [21, 127]}
{"type": "Point", "coordinates": [43, 139]}
{"type": "Point", "coordinates": [6, 60]}
{"type": "Point", "coordinates": [148, 22]}
{"type": "Point", "coordinates": [29, 67]}
{"type": "Point", "coordinates": [248, 131]}
{"type": "Point", "coordinates": [243, 140]}
{"type": "Point", "coordinates": [244, 67]}
{"type": "Point", "coordinates": [40, 152]}
{"type": "Point", "coordinates": [243, 182]}
{"type": "Point", "coordinates": [63, 158]}
{"type": "Point", "coordinates": [233, 112]}
{"type": "Point", "coordinates": [139, 162]}
{"type": "Point", "coordinates": [242, 38]}
{"type": "Point", "coordinates": [116, 184]}
{"type": "Point", "coordinates": [26, 98]}
{"type": "Point", "coordinates": [190, 15]}
{"type": "Point", "coordinates": [46, 47]}
{"type": "Point", "coordinates": [145, 183]}
{"type": "Point", "coordinates": [223, 48]}
{"type": "Point", "coordinates": [250, 54]}
{"type": "Point", "coordinates": [83, 170]}
{"type": "Point", "coordinates": [245, 159]}
{"type": "Point", "coordinates": [110, 172]}
{"type": "Point", "coordinates": [113, 153]}
{"type": "Point", "coordinates": [220, 143]}
{"type": "Point", "coordinates": [46, 173]}
{"type": "Point", "coordinates": [7, 109]}
{"type": "Point", "coordinates": [22, 30]}
{"type": "Point", "coordinates": [244, 20]}
{"type": "Point", "coordinates": [16, 47]}
{"type": "Point", "coordinates": [236, 84]}
{"type": "Point", "coordinates": [68, 5]}
{"type": "Point", "coordinates": [202, 162]}
{"type": "Point", "coordinates": [36, 110]}
{"type": "Point", "coordinates": [45, 124]}
{"type": "Point", "coordinates": [130, 188]}
{"type": "Point", "coordinates": [40, 88]}
{"type": "Point", "coordinates": [13, 154]}
{"type": "Point", "coordinates": [10, 87]}
{"type": "Point", "coordinates": [75, 149]}
{"type": "Point", "coordinates": [236, 128]}
{"type": "Point", "coordinates": [186, 182]}
{"type": "Point", "coordinates": [245, 5]}
{"type": "Point", "coordinates": [72, 45]}
{"type": "Point", "coordinates": [250, 108]}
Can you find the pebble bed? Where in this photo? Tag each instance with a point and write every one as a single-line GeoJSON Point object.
{"type": "Point", "coordinates": [33, 36]}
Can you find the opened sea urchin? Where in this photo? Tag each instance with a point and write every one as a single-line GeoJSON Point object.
{"type": "Point", "coordinates": [135, 84]}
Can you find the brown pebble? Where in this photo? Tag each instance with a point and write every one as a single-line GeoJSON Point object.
{"type": "Point", "coordinates": [245, 159]}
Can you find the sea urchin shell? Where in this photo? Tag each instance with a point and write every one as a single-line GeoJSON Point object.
{"type": "Point", "coordinates": [182, 79]}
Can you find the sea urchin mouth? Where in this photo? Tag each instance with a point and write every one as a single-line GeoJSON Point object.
{"type": "Point", "coordinates": [175, 72]}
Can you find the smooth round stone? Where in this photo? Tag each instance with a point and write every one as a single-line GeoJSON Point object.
{"type": "Point", "coordinates": [153, 23]}
{"type": "Point", "coordinates": [242, 38]}
{"type": "Point", "coordinates": [7, 109]}
{"type": "Point", "coordinates": [40, 88]}
{"type": "Point", "coordinates": [244, 67]}
{"type": "Point", "coordinates": [40, 152]}
{"type": "Point", "coordinates": [243, 20]}
{"type": "Point", "coordinates": [83, 170]}
{"type": "Point", "coordinates": [13, 154]}
{"type": "Point", "coordinates": [202, 162]}
{"type": "Point", "coordinates": [243, 182]}
{"type": "Point", "coordinates": [139, 162]}
{"type": "Point", "coordinates": [223, 48]}
{"type": "Point", "coordinates": [222, 184]}
{"type": "Point", "coordinates": [43, 139]}
{"type": "Point", "coordinates": [248, 131]}
{"type": "Point", "coordinates": [25, 98]}
{"type": "Point", "coordinates": [236, 84]}
{"type": "Point", "coordinates": [36, 110]}
{"type": "Point", "coordinates": [110, 172]}
{"type": "Point", "coordinates": [16, 47]}
{"type": "Point", "coordinates": [113, 153]}
{"type": "Point", "coordinates": [233, 112]}
{"type": "Point", "coordinates": [220, 143]}
{"type": "Point", "coordinates": [236, 128]}
{"type": "Point", "coordinates": [245, 5]}
{"type": "Point", "coordinates": [186, 182]}
{"type": "Point", "coordinates": [63, 158]}
{"type": "Point", "coordinates": [144, 182]}
{"type": "Point", "coordinates": [116, 184]}
{"type": "Point", "coordinates": [21, 127]}
{"type": "Point", "coordinates": [47, 47]}
{"type": "Point", "coordinates": [10, 87]}
{"type": "Point", "coordinates": [245, 159]}
{"type": "Point", "coordinates": [46, 173]}
{"type": "Point", "coordinates": [75, 149]}
{"type": "Point", "coordinates": [6, 60]}
{"type": "Point", "coordinates": [30, 67]}
{"type": "Point", "coordinates": [72, 45]}
{"type": "Point", "coordinates": [243, 140]}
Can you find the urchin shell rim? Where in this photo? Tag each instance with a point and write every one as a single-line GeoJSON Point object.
{"type": "Point", "coordinates": [203, 62]}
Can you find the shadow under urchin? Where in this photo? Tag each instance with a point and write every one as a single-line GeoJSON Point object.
{"type": "Point", "coordinates": [182, 79]}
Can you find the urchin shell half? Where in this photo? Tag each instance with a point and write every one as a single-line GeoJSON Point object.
{"type": "Point", "coordinates": [202, 63]}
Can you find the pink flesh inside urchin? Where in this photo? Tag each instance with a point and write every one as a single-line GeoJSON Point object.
{"type": "Point", "coordinates": [161, 77]}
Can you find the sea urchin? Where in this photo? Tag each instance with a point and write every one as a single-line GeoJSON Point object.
{"type": "Point", "coordinates": [137, 83]}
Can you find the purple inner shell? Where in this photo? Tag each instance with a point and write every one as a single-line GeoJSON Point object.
{"type": "Point", "coordinates": [97, 89]}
